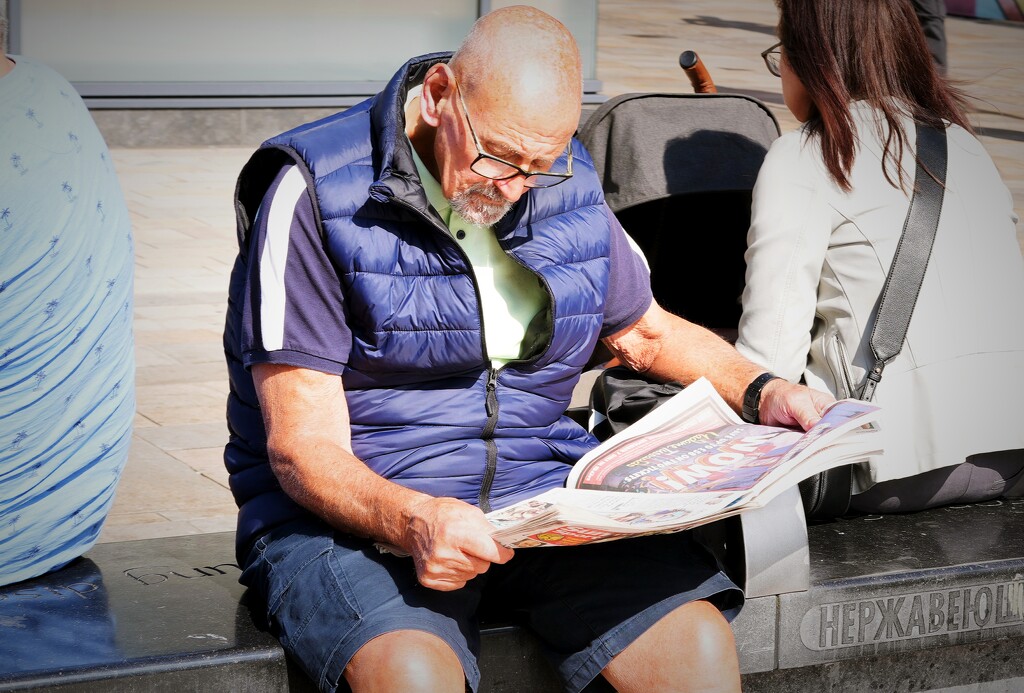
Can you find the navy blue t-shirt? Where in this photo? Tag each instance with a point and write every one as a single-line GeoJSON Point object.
{"type": "Point", "coordinates": [293, 312]}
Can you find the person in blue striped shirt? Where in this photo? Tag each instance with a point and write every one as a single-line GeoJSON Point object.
{"type": "Point", "coordinates": [66, 352]}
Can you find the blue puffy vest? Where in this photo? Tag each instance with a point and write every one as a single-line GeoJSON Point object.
{"type": "Point", "coordinates": [427, 409]}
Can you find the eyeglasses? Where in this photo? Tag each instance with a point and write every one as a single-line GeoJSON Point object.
{"type": "Point", "coordinates": [495, 168]}
{"type": "Point", "coordinates": [772, 56]}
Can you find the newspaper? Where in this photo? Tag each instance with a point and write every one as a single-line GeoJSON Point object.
{"type": "Point", "coordinates": [689, 462]}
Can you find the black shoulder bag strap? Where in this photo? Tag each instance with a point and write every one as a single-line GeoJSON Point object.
{"type": "Point", "coordinates": [827, 495]}
{"type": "Point", "coordinates": [903, 284]}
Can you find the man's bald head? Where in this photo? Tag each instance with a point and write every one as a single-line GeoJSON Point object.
{"type": "Point", "coordinates": [522, 61]}
{"type": "Point", "coordinates": [518, 73]}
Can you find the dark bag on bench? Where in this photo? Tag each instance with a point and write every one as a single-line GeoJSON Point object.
{"type": "Point", "coordinates": [621, 396]}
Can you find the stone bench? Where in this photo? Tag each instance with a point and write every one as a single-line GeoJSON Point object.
{"type": "Point", "coordinates": [926, 601]}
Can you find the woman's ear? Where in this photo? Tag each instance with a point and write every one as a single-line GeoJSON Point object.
{"type": "Point", "coordinates": [438, 87]}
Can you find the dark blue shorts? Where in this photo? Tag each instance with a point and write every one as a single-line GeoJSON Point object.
{"type": "Point", "coordinates": [327, 594]}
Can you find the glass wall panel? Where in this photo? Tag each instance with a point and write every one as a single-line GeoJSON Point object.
{"type": "Point", "coordinates": [236, 40]}
{"type": "Point", "coordinates": [220, 53]}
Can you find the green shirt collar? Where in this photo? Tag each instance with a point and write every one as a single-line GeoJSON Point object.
{"type": "Point", "coordinates": [432, 188]}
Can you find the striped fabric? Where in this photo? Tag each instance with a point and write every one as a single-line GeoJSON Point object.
{"type": "Point", "coordinates": [66, 358]}
{"type": "Point", "coordinates": [274, 259]}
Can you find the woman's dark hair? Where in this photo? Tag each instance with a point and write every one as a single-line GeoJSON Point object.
{"type": "Point", "coordinates": [864, 50]}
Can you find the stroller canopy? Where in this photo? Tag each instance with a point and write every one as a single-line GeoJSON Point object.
{"type": "Point", "coordinates": [650, 146]}
{"type": "Point", "coordinates": [678, 170]}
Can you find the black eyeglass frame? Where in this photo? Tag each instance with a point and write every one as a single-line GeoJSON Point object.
{"type": "Point", "coordinates": [519, 171]}
{"type": "Point", "coordinates": [772, 56]}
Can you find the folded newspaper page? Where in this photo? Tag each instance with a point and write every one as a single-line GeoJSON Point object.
{"type": "Point", "coordinates": [689, 462]}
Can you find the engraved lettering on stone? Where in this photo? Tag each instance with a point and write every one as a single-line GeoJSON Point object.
{"type": "Point", "coordinates": [1008, 609]}
{"type": "Point", "coordinates": [889, 622]}
{"type": "Point", "coordinates": [156, 574]}
{"type": "Point", "coordinates": [953, 613]}
{"type": "Point", "coordinates": [916, 621]}
{"type": "Point", "coordinates": [829, 625]}
{"type": "Point", "coordinates": [915, 615]}
{"type": "Point", "coordinates": [936, 612]}
{"type": "Point", "coordinates": [77, 590]}
{"type": "Point", "coordinates": [848, 623]}
{"type": "Point", "coordinates": [865, 615]}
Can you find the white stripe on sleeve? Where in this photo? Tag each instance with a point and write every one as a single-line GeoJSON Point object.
{"type": "Point", "coordinates": [274, 259]}
{"type": "Point", "coordinates": [637, 249]}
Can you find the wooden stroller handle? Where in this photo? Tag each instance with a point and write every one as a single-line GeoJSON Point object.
{"type": "Point", "coordinates": [699, 76]}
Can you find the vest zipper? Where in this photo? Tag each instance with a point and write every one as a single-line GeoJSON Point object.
{"type": "Point", "coordinates": [491, 405]}
{"type": "Point", "coordinates": [491, 402]}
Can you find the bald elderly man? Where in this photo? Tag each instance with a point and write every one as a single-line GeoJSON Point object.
{"type": "Point", "coordinates": [421, 279]}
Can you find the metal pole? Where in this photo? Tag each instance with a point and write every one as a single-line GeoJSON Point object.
{"type": "Point", "coordinates": [13, 27]}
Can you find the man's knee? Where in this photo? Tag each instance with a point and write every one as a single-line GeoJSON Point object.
{"type": "Point", "coordinates": [709, 635]}
{"type": "Point", "coordinates": [691, 648]}
{"type": "Point", "coordinates": [406, 661]}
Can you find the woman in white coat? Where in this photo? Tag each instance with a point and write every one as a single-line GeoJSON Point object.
{"type": "Point", "coordinates": [828, 210]}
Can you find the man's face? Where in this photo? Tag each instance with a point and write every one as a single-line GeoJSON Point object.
{"type": "Point", "coordinates": [511, 135]}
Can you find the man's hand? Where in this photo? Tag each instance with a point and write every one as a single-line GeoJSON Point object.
{"type": "Point", "coordinates": [309, 443]}
{"type": "Point", "coordinates": [786, 404]}
{"type": "Point", "coordinates": [451, 544]}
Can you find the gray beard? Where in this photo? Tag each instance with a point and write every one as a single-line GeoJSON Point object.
{"type": "Point", "coordinates": [480, 204]}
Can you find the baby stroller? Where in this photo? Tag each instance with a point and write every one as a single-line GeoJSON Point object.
{"type": "Point", "coordinates": [678, 170]}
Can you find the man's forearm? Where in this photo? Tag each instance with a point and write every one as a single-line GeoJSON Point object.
{"type": "Point", "coordinates": [308, 441]}
{"type": "Point", "coordinates": [449, 540]}
{"type": "Point", "coordinates": [667, 347]}
{"type": "Point", "coordinates": [332, 483]}
{"type": "Point", "coordinates": [706, 354]}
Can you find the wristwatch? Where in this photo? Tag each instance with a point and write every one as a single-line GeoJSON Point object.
{"type": "Point", "coordinates": [752, 397]}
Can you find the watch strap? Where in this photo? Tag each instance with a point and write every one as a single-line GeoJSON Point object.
{"type": "Point", "coordinates": [752, 397]}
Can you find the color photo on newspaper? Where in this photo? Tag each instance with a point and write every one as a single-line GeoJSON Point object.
{"type": "Point", "coordinates": [687, 463]}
